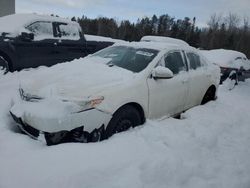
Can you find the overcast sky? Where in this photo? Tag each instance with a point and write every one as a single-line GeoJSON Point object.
{"type": "Point", "coordinates": [134, 9]}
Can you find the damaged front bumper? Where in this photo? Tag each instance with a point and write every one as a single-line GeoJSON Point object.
{"type": "Point", "coordinates": [75, 135]}
{"type": "Point", "coordinates": [86, 126]}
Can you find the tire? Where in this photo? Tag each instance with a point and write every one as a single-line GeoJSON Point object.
{"type": "Point", "coordinates": [209, 95]}
{"type": "Point", "coordinates": [4, 65]}
{"type": "Point", "coordinates": [123, 119]}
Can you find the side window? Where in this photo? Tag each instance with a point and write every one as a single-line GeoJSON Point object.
{"type": "Point", "coordinates": [174, 62]}
{"type": "Point", "coordinates": [41, 30]}
{"type": "Point", "coordinates": [194, 60]}
{"type": "Point", "coordinates": [69, 31]}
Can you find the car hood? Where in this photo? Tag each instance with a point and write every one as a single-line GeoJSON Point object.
{"type": "Point", "coordinates": [85, 77]}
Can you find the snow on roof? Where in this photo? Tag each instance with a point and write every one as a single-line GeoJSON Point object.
{"type": "Point", "coordinates": [15, 23]}
{"type": "Point", "coordinates": [101, 39]}
{"type": "Point", "coordinates": [156, 45]}
{"type": "Point", "coordinates": [225, 58]}
{"type": "Point", "coordinates": [163, 40]}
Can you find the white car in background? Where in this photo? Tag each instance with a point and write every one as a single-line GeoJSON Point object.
{"type": "Point", "coordinates": [115, 89]}
{"type": "Point", "coordinates": [228, 60]}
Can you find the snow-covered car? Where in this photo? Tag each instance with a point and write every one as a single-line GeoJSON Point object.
{"type": "Point", "coordinates": [228, 60]}
{"type": "Point", "coordinates": [115, 89]}
{"type": "Point", "coordinates": [162, 39]}
{"type": "Point", "coordinates": [31, 40]}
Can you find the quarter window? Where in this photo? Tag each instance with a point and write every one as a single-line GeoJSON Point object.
{"type": "Point", "coordinates": [194, 60]}
{"type": "Point", "coordinates": [174, 62]}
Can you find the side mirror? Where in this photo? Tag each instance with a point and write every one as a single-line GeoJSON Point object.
{"type": "Point", "coordinates": [162, 73]}
{"type": "Point", "coordinates": [27, 36]}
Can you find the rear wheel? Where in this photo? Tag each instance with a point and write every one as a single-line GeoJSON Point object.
{"type": "Point", "coordinates": [4, 65]}
{"type": "Point", "coordinates": [123, 119]}
{"type": "Point", "coordinates": [209, 95]}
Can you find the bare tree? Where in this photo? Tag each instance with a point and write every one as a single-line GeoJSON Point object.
{"type": "Point", "coordinates": [232, 21]}
{"type": "Point", "coordinates": [215, 21]}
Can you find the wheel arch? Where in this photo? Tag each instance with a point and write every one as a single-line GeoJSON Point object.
{"type": "Point", "coordinates": [9, 60]}
{"type": "Point", "coordinates": [138, 107]}
{"type": "Point", "coordinates": [213, 90]}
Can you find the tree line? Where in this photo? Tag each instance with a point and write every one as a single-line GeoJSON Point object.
{"type": "Point", "coordinates": [228, 32]}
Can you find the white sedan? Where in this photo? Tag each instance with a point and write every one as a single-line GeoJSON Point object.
{"type": "Point", "coordinates": [115, 89]}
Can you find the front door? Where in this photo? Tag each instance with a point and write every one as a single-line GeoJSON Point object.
{"type": "Point", "coordinates": [199, 79]}
{"type": "Point", "coordinates": [39, 51]}
{"type": "Point", "coordinates": [71, 45]}
{"type": "Point", "coordinates": [167, 96]}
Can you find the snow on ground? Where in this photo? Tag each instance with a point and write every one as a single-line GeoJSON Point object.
{"type": "Point", "coordinates": [208, 147]}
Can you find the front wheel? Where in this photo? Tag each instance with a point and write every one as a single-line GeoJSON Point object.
{"type": "Point", "coordinates": [4, 65]}
{"type": "Point", "coordinates": [123, 119]}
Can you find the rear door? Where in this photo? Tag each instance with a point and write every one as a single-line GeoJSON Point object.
{"type": "Point", "coordinates": [199, 80]}
{"type": "Point", "coordinates": [71, 44]}
{"type": "Point", "coordinates": [167, 96]}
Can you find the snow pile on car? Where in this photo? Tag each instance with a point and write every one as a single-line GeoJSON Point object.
{"type": "Point", "coordinates": [164, 40]}
{"type": "Point", "coordinates": [101, 39]}
{"type": "Point", "coordinates": [79, 72]}
{"type": "Point", "coordinates": [208, 147]}
{"type": "Point", "coordinates": [16, 23]}
{"type": "Point", "coordinates": [227, 58]}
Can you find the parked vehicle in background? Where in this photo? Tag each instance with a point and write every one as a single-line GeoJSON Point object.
{"type": "Point", "coordinates": [30, 40]}
{"type": "Point", "coordinates": [117, 88]}
{"type": "Point", "coordinates": [229, 61]}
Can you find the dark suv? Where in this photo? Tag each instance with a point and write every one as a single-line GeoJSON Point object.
{"type": "Point", "coordinates": [30, 40]}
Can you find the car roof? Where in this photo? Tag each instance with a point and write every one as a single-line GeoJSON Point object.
{"type": "Point", "coordinates": [162, 39]}
{"type": "Point", "coordinates": [160, 46]}
{"type": "Point", "coordinates": [20, 21]}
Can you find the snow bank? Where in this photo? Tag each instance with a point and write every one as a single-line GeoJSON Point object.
{"type": "Point", "coordinates": [208, 147]}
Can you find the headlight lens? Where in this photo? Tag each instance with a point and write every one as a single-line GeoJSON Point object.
{"type": "Point", "coordinates": [87, 104]}
{"type": "Point", "coordinates": [28, 97]}
{"type": "Point", "coordinates": [95, 102]}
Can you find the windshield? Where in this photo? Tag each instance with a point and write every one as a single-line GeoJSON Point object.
{"type": "Point", "coordinates": [133, 59]}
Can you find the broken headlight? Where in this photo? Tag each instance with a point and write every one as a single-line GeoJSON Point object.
{"type": "Point", "coordinates": [86, 104]}
{"type": "Point", "coordinates": [28, 97]}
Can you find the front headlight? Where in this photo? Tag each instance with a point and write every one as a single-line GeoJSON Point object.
{"type": "Point", "coordinates": [28, 97]}
{"type": "Point", "coordinates": [86, 104]}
